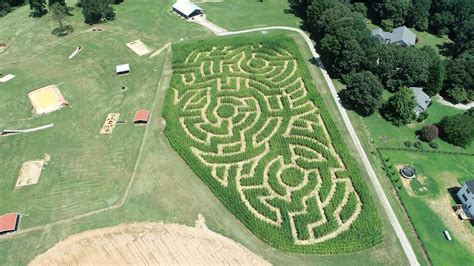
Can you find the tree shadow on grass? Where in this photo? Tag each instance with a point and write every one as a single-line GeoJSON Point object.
{"type": "Point", "coordinates": [61, 32]}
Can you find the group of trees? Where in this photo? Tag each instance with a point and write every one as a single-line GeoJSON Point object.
{"type": "Point", "coordinates": [458, 129]}
{"type": "Point", "coordinates": [366, 66]}
{"type": "Point", "coordinates": [6, 6]}
{"type": "Point", "coordinates": [94, 11]}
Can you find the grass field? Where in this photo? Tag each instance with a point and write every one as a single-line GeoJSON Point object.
{"type": "Point", "coordinates": [90, 172]}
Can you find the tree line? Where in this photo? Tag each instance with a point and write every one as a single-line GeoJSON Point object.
{"type": "Point", "coordinates": [94, 11]}
{"type": "Point", "coordinates": [368, 67]}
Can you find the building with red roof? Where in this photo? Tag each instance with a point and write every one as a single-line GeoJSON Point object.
{"type": "Point", "coordinates": [141, 117]}
{"type": "Point", "coordinates": [9, 222]}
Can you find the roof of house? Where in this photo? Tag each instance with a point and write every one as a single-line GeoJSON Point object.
{"type": "Point", "coordinates": [400, 34]}
{"type": "Point", "coordinates": [403, 34]}
{"type": "Point", "coordinates": [8, 222]}
{"type": "Point", "coordinates": [122, 68]}
{"type": "Point", "coordinates": [141, 115]}
{"type": "Point", "coordinates": [185, 7]}
{"type": "Point", "coordinates": [470, 185]}
{"type": "Point", "coordinates": [422, 99]}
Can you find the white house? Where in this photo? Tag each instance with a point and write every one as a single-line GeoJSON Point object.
{"type": "Point", "coordinates": [122, 69]}
{"type": "Point", "coordinates": [466, 196]}
{"type": "Point", "coordinates": [186, 9]}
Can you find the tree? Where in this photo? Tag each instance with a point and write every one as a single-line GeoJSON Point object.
{"type": "Point", "coordinates": [459, 83]}
{"type": "Point", "coordinates": [402, 66]}
{"type": "Point", "coordinates": [436, 72]}
{"type": "Point", "coordinates": [52, 2]}
{"type": "Point", "coordinates": [395, 10]}
{"type": "Point", "coordinates": [5, 8]}
{"type": "Point", "coordinates": [399, 109]}
{"type": "Point", "coordinates": [418, 15]}
{"type": "Point", "coordinates": [97, 11]}
{"type": "Point", "coordinates": [38, 8]}
{"type": "Point", "coordinates": [59, 14]}
{"type": "Point", "coordinates": [429, 132]}
{"type": "Point", "coordinates": [363, 93]}
{"type": "Point", "coordinates": [458, 129]}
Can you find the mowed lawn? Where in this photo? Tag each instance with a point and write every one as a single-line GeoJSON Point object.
{"type": "Point", "coordinates": [247, 14]}
{"type": "Point", "coordinates": [87, 170]}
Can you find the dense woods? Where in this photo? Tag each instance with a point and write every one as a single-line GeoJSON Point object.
{"type": "Point", "coordinates": [346, 46]}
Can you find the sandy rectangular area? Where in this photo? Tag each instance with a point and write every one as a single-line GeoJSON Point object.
{"type": "Point", "coordinates": [46, 100]}
{"type": "Point", "coordinates": [30, 173]}
{"type": "Point", "coordinates": [139, 47]}
{"type": "Point", "coordinates": [109, 123]}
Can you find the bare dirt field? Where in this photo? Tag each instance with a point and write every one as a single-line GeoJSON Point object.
{"type": "Point", "coordinates": [148, 243]}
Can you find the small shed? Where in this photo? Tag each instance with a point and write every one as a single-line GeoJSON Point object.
{"type": "Point", "coordinates": [122, 69]}
{"type": "Point", "coordinates": [141, 117]}
{"type": "Point", "coordinates": [423, 100]}
{"type": "Point", "coordinates": [9, 222]}
{"type": "Point", "coordinates": [187, 9]}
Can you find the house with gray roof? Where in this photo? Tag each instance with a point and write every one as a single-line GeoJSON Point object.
{"type": "Point", "coordinates": [423, 100]}
{"type": "Point", "coordinates": [401, 36]}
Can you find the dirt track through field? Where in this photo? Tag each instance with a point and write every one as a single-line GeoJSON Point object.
{"type": "Point", "coordinates": [148, 243]}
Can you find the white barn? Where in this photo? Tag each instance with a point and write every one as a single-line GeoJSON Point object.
{"type": "Point", "coordinates": [186, 9]}
{"type": "Point", "coordinates": [466, 196]}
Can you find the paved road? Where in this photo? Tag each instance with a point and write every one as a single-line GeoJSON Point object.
{"type": "Point", "coordinates": [407, 248]}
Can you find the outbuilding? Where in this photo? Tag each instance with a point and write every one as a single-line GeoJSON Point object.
{"type": "Point", "coordinates": [187, 9]}
{"type": "Point", "coordinates": [122, 70]}
{"type": "Point", "coordinates": [141, 117]}
{"type": "Point", "coordinates": [9, 222]}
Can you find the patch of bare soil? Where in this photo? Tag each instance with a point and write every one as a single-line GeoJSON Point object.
{"type": "Point", "coordinates": [149, 243]}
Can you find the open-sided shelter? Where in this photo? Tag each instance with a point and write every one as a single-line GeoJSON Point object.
{"type": "Point", "coordinates": [9, 222]}
{"type": "Point", "coordinates": [122, 69]}
{"type": "Point", "coordinates": [186, 9]}
{"type": "Point", "coordinates": [141, 117]}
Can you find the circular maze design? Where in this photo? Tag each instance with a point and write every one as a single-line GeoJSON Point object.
{"type": "Point", "coordinates": [244, 114]}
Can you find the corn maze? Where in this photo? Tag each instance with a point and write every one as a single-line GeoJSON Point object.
{"type": "Point", "coordinates": [246, 118]}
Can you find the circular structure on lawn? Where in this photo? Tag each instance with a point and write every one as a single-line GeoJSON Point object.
{"type": "Point", "coordinates": [408, 172]}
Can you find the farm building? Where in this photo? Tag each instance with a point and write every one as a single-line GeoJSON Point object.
{"type": "Point", "coordinates": [141, 117]}
{"type": "Point", "coordinates": [9, 222]}
{"type": "Point", "coordinates": [423, 100]}
{"type": "Point", "coordinates": [46, 100]}
{"type": "Point", "coordinates": [122, 69]}
{"type": "Point", "coordinates": [401, 36]}
{"type": "Point", "coordinates": [466, 196]}
{"type": "Point", "coordinates": [186, 9]}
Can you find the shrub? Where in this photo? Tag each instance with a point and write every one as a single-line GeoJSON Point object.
{"type": "Point", "coordinates": [429, 132]}
{"type": "Point", "coordinates": [422, 117]}
{"type": "Point", "coordinates": [458, 129]}
{"type": "Point", "coordinates": [408, 144]}
{"type": "Point", "coordinates": [434, 145]}
{"type": "Point", "coordinates": [418, 145]}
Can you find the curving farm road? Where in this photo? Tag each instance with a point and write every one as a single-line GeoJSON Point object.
{"type": "Point", "coordinates": [407, 248]}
